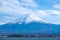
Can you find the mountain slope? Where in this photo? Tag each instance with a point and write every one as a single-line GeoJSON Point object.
{"type": "Point", "coordinates": [30, 28]}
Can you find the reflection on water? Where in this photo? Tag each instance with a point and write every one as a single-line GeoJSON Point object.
{"type": "Point", "coordinates": [29, 38]}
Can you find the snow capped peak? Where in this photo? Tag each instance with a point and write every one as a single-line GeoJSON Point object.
{"type": "Point", "coordinates": [28, 18]}
{"type": "Point", "coordinates": [33, 17]}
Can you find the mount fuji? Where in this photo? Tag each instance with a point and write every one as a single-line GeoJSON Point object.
{"type": "Point", "coordinates": [29, 24]}
{"type": "Point", "coordinates": [28, 18]}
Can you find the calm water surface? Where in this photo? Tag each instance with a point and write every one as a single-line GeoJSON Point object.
{"type": "Point", "coordinates": [29, 38]}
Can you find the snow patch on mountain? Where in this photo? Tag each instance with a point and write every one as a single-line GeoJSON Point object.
{"type": "Point", "coordinates": [33, 17]}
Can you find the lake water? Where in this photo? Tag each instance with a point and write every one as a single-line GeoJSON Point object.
{"type": "Point", "coordinates": [29, 38]}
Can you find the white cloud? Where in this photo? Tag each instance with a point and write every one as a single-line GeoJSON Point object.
{"type": "Point", "coordinates": [15, 7]}
{"type": "Point", "coordinates": [29, 3]}
{"type": "Point", "coordinates": [42, 12]}
{"type": "Point", "coordinates": [51, 16]}
{"type": "Point", "coordinates": [55, 12]}
{"type": "Point", "coordinates": [48, 12]}
{"type": "Point", "coordinates": [57, 6]}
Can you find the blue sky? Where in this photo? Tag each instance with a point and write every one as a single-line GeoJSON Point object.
{"type": "Point", "coordinates": [48, 10]}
